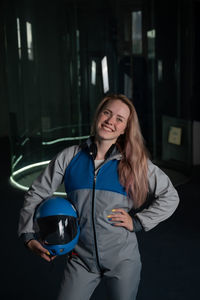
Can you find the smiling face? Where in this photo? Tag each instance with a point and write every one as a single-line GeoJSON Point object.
{"type": "Point", "coordinates": [112, 120]}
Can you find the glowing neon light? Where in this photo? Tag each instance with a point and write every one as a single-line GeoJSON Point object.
{"type": "Point", "coordinates": [65, 139]}
{"type": "Point", "coordinates": [24, 187]}
{"type": "Point", "coordinates": [16, 162]}
{"type": "Point", "coordinates": [30, 167]}
{"type": "Point", "coordinates": [25, 141]}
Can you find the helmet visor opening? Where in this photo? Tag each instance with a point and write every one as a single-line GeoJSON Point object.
{"type": "Point", "coordinates": [56, 230]}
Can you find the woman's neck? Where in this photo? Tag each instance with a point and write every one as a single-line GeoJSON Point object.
{"type": "Point", "coordinates": [102, 148]}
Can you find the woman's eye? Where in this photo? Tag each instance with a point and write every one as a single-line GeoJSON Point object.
{"type": "Point", "coordinates": [106, 112]}
{"type": "Point", "coordinates": [119, 120]}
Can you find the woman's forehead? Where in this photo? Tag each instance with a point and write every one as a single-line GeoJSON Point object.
{"type": "Point", "coordinates": [117, 106]}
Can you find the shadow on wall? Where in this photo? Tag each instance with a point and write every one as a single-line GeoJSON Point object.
{"type": "Point", "coordinates": [5, 158]}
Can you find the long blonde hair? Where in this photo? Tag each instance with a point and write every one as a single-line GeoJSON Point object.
{"type": "Point", "coordinates": [132, 168]}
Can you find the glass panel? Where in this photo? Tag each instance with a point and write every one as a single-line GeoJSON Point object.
{"type": "Point", "coordinates": [137, 32]}
{"type": "Point", "coordinates": [52, 99]}
{"type": "Point", "coordinates": [160, 70]}
{"type": "Point", "coordinates": [151, 35]}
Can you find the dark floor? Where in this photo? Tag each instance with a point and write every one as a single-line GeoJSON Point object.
{"type": "Point", "coordinates": [170, 254]}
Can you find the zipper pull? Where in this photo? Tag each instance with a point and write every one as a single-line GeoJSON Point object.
{"type": "Point", "coordinates": [95, 178]}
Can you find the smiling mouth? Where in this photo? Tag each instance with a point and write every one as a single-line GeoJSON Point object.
{"type": "Point", "coordinates": [106, 128]}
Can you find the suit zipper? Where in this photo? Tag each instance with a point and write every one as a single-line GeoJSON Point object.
{"type": "Point", "coordinates": [93, 221]}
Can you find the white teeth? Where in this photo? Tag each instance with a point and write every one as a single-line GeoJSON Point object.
{"type": "Point", "coordinates": [107, 129]}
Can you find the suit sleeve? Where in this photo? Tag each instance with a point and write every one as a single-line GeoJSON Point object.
{"type": "Point", "coordinates": [42, 188]}
{"type": "Point", "coordinates": [165, 202]}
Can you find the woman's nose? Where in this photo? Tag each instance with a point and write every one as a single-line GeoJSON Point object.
{"type": "Point", "coordinates": [110, 120]}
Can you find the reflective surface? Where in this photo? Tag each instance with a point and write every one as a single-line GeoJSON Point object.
{"type": "Point", "coordinates": [63, 57]}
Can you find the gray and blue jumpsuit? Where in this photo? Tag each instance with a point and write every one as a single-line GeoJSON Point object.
{"type": "Point", "coordinates": [103, 250]}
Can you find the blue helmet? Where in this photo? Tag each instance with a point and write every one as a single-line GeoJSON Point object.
{"type": "Point", "coordinates": [58, 225]}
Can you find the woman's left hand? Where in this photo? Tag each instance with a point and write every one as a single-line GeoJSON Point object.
{"type": "Point", "coordinates": [121, 218]}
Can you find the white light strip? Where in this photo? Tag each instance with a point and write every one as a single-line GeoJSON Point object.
{"type": "Point", "coordinates": [16, 162]}
{"type": "Point", "coordinates": [104, 66]}
{"type": "Point", "coordinates": [18, 34]}
{"type": "Point", "coordinates": [17, 185]}
{"type": "Point", "coordinates": [24, 187]}
{"type": "Point", "coordinates": [24, 142]}
{"type": "Point", "coordinates": [29, 40]}
{"type": "Point", "coordinates": [93, 72]}
{"type": "Point", "coordinates": [65, 139]}
{"type": "Point", "coordinates": [30, 167]}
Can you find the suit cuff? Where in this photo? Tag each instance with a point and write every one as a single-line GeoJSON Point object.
{"type": "Point", "coordinates": [137, 226]}
{"type": "Point", "coordinates": [26, 237]}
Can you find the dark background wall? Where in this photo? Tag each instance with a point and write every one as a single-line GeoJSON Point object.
{"type": "Point", "coordinates": [51, 96]}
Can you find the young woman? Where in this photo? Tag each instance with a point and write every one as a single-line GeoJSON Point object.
{"type": "Point", "coordinates": [108, 179]}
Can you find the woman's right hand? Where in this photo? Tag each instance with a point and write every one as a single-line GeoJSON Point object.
{"type": "Point", "coordinates": [38, 249]}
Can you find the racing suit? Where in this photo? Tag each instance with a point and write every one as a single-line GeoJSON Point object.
{"type": "Point", "coordinates": [103, 249]}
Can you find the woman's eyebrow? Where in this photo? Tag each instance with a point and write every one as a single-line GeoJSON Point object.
{"type": "Point", "coordinates": [112, 113]}
{"type": "Point", "coordinates": [121, 116]}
